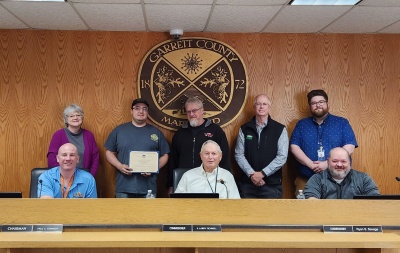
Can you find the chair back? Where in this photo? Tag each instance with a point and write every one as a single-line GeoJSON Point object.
{"type": "Point", "coordinates": [177, 175]}
{"type": "Point", "coordinates": [35, 173]}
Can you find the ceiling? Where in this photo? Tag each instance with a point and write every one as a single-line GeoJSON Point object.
{"type": "Point", "coordinates": [221, 16]}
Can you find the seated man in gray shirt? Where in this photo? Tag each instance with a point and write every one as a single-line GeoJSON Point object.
{"type": "Point", "coordinates": [339, 181]}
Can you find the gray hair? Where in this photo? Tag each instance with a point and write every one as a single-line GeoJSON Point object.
{"type": "Point", "coordinates": [213, 142]}
{"type": "Point", "coordinates": [194, 100]}
{"type": "Point", "coordinates": [71, 109]}
{"type": "Point", "coordinates": [263, 95]}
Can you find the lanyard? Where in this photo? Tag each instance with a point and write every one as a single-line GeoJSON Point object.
{"type": "Point", "coordinates": [65, 193]}
{"type": "Point", "coordinates": [320, 133]}
{"type": "Point", "coordinates": [216, 177]}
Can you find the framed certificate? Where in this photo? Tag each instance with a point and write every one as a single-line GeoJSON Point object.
{"type": "Point", "coordinates": [143, 161]}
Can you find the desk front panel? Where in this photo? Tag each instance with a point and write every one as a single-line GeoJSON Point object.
{"type": "Point", "coordinates": [200, 211]}
{"type": "Point", "coordinates": [106, 213]}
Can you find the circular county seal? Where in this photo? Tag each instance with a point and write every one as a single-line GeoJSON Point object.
{"type": "Point", "coordinates": [175, 70]}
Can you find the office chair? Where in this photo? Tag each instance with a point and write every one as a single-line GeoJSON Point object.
{"type": "Point", "coordinates": [35, 173]}
{"type": "Point", "coordinates": [177, 175]}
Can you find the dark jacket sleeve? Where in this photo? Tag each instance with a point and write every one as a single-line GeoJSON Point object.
{"type": "Point", "coordinates": [226, 154]}
{"type": "Point", "coordinates": [172, 161]}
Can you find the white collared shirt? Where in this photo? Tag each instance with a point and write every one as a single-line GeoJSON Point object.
{"type": "Point", "coordinates": [198, 181]}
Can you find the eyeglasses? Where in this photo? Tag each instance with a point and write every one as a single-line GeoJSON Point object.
{"type": "Point", "coordinates": [261, 104]}
{"type": "Point", "coordinates": [321, 102]}
{"type": "Point", "coordinates": [137, 108]}
{"type": "Point", "coordinates": [193, 111]}
{"type": "Point", "coordinates": [212, 154]}
{"type": "Point", "coordinates": [75, 115]}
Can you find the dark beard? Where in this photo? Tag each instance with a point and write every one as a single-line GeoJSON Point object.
{"type": "Point", "coordinates": [319, 114]}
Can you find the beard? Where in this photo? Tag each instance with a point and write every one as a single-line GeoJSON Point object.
{"type": "Point", "coordinates": [194, 122]}
{"type": "Point", "coordinates": [319, 113]}
{"type": "Point", "coordinates": [341, 174]}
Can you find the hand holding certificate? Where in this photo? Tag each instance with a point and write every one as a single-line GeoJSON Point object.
{"type": "Point", "coordinates": [143, 161]}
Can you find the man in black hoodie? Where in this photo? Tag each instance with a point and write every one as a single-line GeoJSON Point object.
{"type": "Point", "coordinates": [187, 141]}
{"type": "Point", "coordinates": [261, 151]}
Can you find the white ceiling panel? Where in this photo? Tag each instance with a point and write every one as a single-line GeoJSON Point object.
{"type": "Point", "coordinates": [365, 19]}
{"type": "Point", "coordinates": [394, 28]}
{"type": "Point", "coordinates": [112, 17]}
{"type": "Point", "coordinates": [252, 2]}
{"type": "Point", "coordinates": [239, 19]}
{"type": "Point", "coordinates": [9, 21]}
{"type": "Point", "coordinates": [303, 19]}
{"type": "Point", "coordinates": [46, 15]}
{"type": "Point", "coordinates": [392, 3]}
{"type": "Point", "coordinates": [187, 17]}
{"type": "Point", "coordinates": [243, 16]}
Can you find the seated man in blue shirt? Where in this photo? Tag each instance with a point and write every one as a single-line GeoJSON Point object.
{"type": "Point", "coordinates": [66, 181]}
{"type": "Point", "coordinates": [339, 181]}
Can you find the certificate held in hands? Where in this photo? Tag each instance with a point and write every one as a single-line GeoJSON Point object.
{"type": "Point", "coordinates": [143, 161]}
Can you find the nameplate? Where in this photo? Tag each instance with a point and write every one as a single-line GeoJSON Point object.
{"type": "Point", "coordinates": [32, 228]}
{"type": "Point", "coordinates": [17, 228]}
{"type": "Point", "coordinates": [191, 228]}
{"type": "Point", "coordinates": [347, 229]}
{"type": "Point", "coordinates": [48, 228]}
{"type": "Point", "coordinates": [177, 228]}
{"type": "Point", "coordinates": [367, 229]}
{"type": "Point", "coordinates": [207, 228]}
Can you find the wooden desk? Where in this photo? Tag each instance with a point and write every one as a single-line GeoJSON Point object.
{"type": "Point", "coordinates": [196, 211]}
{"type": "Point", "coordinates": [199, 240]}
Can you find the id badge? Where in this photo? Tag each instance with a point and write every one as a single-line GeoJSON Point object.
{"type": "Point", "coordinates": [321, 154]}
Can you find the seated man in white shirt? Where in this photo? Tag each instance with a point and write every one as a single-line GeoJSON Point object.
{"type": "Point", "coordinates": [209, 177]}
